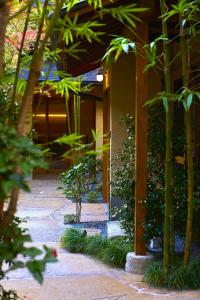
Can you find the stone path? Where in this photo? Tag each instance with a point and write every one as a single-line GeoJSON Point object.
{"type": "Point", "coordinates": [75, 276]}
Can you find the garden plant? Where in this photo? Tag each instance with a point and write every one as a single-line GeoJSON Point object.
{"type": "Point", "coordinates": [80, 180]}
{"type": "Point", "coordinates": [162, 60]}
{"type": "Point", "coordinates": [25, 32]}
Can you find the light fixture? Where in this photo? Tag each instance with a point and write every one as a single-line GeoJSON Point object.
{"type": "Point", "coordinates": [49, 115]}
{"type": "Point", "coordinates": [99, 76]}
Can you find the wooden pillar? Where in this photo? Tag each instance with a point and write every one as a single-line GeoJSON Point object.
{"type": "Point", "coordinates": [47, 120]}
{"type": "Point", "coordinates": [140, 142]}
{"type": "Point", "coordinates": [106, 139]}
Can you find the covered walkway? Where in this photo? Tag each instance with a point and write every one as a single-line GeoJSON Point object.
{"type": "Point", "coordinates": [75, 276]}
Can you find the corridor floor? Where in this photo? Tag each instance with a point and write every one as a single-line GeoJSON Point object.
{"type": "Point", "coordinates": [75, 276]}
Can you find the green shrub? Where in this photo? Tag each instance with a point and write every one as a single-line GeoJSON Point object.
{"type": "Point", "coordinates": [154, 275]}
{"type": "Point", "coordinates": [79, 178]}
{"type": "Point", "coordinates": [179, 277]}
{"type": "Point", "coordinates": [92, 197]}
{"type": "Point", "coordinates": [74, 240]}
{"type": "Point", "coordinates": [123, 180]}
{"type": "Point", "coordinates": [112, 252]}
{"type": "Point", "coordinates": [70, 219]}
{"type": "Point", "coordinates": [96, 244]}
{"type": "Point", "coordinates": [115, 252]}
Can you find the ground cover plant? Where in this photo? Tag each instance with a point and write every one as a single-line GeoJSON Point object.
{"type": "Point", "coordinates": [110, 251]}
{"type": "Point", "coordinates": [179, 277]}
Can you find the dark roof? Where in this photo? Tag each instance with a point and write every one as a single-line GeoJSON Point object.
{"type": "Point", "coordinates": [95, 51]}
{"type": "Point", "coordinates": [53, 74]}
{"type": "Point", "coordinates": [91, 59]}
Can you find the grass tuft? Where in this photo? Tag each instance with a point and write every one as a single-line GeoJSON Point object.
{"type": "Point", "coordinates": [74, 240]}
{"type": "Point", "coordinates": [112, 252]}
{"type": "Point", "coordinates": [179, 277]}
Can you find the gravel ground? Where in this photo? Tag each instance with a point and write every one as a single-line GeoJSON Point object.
{"type": "Point", "coordinates": [102, 226]}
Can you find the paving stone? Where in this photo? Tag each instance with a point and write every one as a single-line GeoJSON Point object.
{"type": "Point", "coordinates": [89, 287]}
{"type": "Point", "coordinates": [34, 213]}
{"type": "Point", "coordinates": [55, 203]}
{"type": "Point", "coordinates": [75, 276]}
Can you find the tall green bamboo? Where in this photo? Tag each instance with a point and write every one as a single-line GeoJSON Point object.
{"type": "Point", "coordinates": [184, 53]}
{"type": "Point", "coordinates": [169, 214]}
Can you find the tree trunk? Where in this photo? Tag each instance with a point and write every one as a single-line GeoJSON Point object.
{"type": "Point", "coordinates": [4, 10]}
{"type": "Point", "coordinates": [34, 74]}
{"type": "Point", "coordinates": [169, 212]}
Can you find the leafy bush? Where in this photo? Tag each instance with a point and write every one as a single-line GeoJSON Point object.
{"type": "Point", "coordinates": [123, 182]}
{"type": "Point", "coordinates": [70, 219]}
{"type": "Point", "coordinates": [112, 252]}
{"type": "Point", "coordinates": [12, 243]}
{"type": "Point", "coordinates": [123, 178]}
{"type": "Point", "coordinates": [115, 252]}
{"type": "Point", "coordinates": [81, 179]}
{"type": "Point", "coordinates": [92, 197]}
{"type": "Point", "coordinates": [95, 245]}
{"type": "Point", "coordinates": [7, 295]}
{"type": "Point", "coordinates": [179, 277]}
{"type": "Point", "coordinates": [17, 152]}
{"type": "Point", "coordinates": [74, 240]}
{"type": "Point", "coordinates": [154, 275]}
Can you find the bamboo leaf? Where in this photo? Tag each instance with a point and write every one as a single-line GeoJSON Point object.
{"type": "Point", "coordinates": [165, 103]}
{"type": "Point", "coordinates": [189, 101]}
{"type": "Point", "coordinates": [152, 101]}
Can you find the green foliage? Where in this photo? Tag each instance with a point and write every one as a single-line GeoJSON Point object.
{"type": "Point", "coordinates": [152, 52]}
{"type": "Point", "coordinates": [76, 180]}
{"type": "Point", "coordinates": [179, 277]}
{"type": "Point", "coordinates": [70, 219]}
{"type": "Point", "coordinates": [123, 178]}
{"type": "Point", "coordinates": [72, 29]}
{"type": "Point", "coordinates": [112, 252]}
{"type": "Point", "coordinates": [7, 295]}
{"type": "Point", "coordinates": [95, 245]}
{"type": "Point", "coordinates": [13, 241]}
{"type": "Point", "coordinates": [16, 152]}
{"type": "Point", "coordinates": [123, 182]}
{"type": "Point", "coordinates": [116, 251]}
{"type": "Point", "coordinates": [80, 179]}
{"type": "Point", "coordinates": [92, 197]}
{"type": "Point", "coordinates": [126, 14]}
{"type": "Point", "coordinates": [74, 240]}
{"type": "Point", "coordinates": [117, 46]}
{"type": "Point", "coordinates": [5, 102]}
{"type": "Point", "coordinates": [154, 275]}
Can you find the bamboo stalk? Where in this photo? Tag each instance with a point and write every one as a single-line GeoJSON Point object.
{"type": "Point", "coordinates": [169, 213]}
{"type": "Point", "coordinates": [189, 146]}
{"type": "Point", "coordinates": [68, 115]}
{"type": "Point", "coordinates": [19, 57]}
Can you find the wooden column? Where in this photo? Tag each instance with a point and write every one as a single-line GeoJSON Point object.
{"type": "Point", "coordinates": [47, 120]}
{"type": "Point", "coordinates": [106, 139]}
{"type": "Point", "coordinates": [140, 142]}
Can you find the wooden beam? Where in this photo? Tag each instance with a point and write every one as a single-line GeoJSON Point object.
{"type": "Point", "coordinates": [141, 143]}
